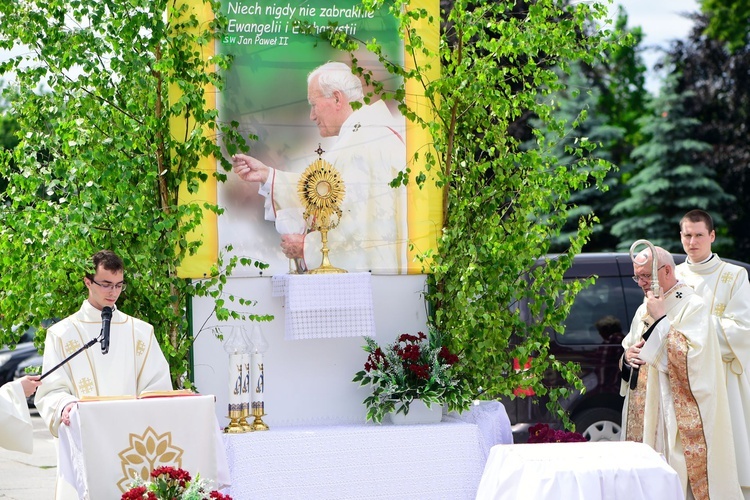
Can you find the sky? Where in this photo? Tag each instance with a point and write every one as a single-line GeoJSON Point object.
{"type": "Point", "coordinates": [661, 22]}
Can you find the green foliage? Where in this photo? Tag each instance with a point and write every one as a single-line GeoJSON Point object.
{"type": "Point", "coordinates": [578, 104]}
{"type": "Point", "coordinates": [729, 22]}
{"type": "Point", "coordinates": [718, 84]}
{"type": "Point", "coordinates": [99, 96]}
{"type": "Point", "coordinates": [671, 178]}
{"type": "Point", "coordinates": [500, 62]}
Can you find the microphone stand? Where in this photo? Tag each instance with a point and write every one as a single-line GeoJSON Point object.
{"type": "Point", "coordinates": [79, 351]}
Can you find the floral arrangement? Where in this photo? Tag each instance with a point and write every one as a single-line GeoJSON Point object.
{"type": "Point", "coordinates": [412, 367]}
{"type": "Point", "coordinates": [169, 483]}
{"type": "Point", "coordinates": [543, 433]}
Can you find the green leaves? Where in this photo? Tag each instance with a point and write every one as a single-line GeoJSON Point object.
{"type": "Point", "coordinates": [504, 204]}
{"type": "Point", "coordinates": [98, 165]}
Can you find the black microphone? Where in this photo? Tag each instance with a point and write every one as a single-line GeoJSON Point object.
{"type": "Point", "coordinates": [106, 318]}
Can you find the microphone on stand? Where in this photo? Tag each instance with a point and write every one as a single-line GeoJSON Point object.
{"type": "Point", "coordinates": [106, 318]}
{"type": "Point", "coordinates": [103, 338]}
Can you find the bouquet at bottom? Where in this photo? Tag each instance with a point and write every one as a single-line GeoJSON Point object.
{"type": "Point", "coordinates": [169, 483]}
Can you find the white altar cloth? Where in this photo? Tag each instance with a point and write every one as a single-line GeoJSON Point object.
{"type": "Point", "coordinates": [586, 471]}
{"type": "Point", "coordinates": [326, 305]}
{"type": "Point", "coordinates": [108, 441]}
{"type": "Point", "coordinates": [363, 462]}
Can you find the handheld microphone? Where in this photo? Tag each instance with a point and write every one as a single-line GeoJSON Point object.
{"type": "Point", "coordinates": [106, 318]}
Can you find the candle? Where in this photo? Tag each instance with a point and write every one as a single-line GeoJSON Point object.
{"type": "Point", "coordinates": [258, 387]}
{"type": "Point", "coordinates": [236, 379]}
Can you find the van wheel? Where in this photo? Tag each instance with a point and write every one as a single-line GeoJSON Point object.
{"type": "Point", "coordinates": [599, 424]}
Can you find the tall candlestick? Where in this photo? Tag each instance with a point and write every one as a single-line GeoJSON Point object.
{"type": "Point", "coordinates": [258, 388]}
{"type": "Point", "coordinates": [235, 345]}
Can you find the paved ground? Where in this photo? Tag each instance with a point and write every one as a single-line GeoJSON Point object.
{"type": "Point", "coordinates": [30, 477]}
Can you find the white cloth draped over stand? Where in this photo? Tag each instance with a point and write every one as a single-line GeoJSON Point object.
{"type": "Point", "coordinates": [108, 439]}
{"type": "Point", "coordinates": [578, 471]}
{"type": "Point", "coordinates": [363, 462]}
{"type": "Point", "coordinates": [321, 306]}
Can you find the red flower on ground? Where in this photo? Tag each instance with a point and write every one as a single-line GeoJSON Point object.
{"type": "Point", "coordinates": [542, 433]}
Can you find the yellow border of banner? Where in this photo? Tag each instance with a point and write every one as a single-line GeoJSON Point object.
{"type": "Point", "coordinates": [425, 209]}
{"type": "Point", "coordinates": [425, 216]}
{"type": "Point", "coordinates": [199, 265]}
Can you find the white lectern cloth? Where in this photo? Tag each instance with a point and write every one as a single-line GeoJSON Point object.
{"type": "Point", "coordinates": [326, 305]}
{"type": "Point", "coordinates": [586, 471]}
{"type": "Point", "coordinates": [108, 439]}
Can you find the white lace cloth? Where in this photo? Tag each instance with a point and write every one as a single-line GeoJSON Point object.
{"type": "Point", "coordinates": [492, 420]}
{"type": "Point", "coordinates": [364, 462]}
{"type": "Point", "coordinates": [620, 470]}
{"type": "Point", "coordinates": [326, 305]}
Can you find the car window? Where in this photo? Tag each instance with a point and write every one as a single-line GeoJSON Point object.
{"type": "Point", "coordinates": [633, 299]}
{"type": "Point", "coordinates": [597, 315]}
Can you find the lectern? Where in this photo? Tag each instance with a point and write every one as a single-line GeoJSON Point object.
{"type": "Point", "coordinates": [110, 441]}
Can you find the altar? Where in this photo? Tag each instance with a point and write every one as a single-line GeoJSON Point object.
{"type": "Point", "coordinates": [319, 444]}
{"type": "Point", "coordinates": [368, 461]}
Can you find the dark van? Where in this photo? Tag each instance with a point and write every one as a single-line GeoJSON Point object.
{"type": "Point", "coordinates": [598, 321]}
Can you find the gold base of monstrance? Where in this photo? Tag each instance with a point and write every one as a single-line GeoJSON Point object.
{"type": "Point", "coordinates": [321, 190]}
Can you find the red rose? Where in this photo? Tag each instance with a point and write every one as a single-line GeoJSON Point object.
{"type": "Point", "coordinates": [134, 493]}
{"type": "Point", "coordinates": [410, 353]}
{"type": "Point", "coordinates": [447, 356]}
{"type": "Point", "coordinates": [421, 371]}
{"type": "Point", "coordinates": [541, 433]}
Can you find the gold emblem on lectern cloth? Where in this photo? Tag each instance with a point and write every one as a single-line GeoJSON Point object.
{"type": "Point", "coordinates": [147, 452]}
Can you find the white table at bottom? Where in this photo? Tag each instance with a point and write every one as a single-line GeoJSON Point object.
{"type": "Point", "coordinates": [585, 471]}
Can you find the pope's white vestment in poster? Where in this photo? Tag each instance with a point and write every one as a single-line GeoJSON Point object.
{"type": "Point", "coordinates": [679, 403]}
{"type": "Point", "coordinates": [725, 291]}
{"type": "Point", "coordinates": [372, 234]}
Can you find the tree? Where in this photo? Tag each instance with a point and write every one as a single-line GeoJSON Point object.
{"type": "Point", "coordinates": [8, 139]}
{"type": "Point", "coordinates": [100, 164]}
{"type": "Point", "coordinates": [729, 22]}
{"type": "Point", "coordinates": [578, 104]}
{"type": "Point", "coordinates": [671, 178]}
{"type": "Point", "coordinates": [717, 84]}
{"type": "Point", "coordinates": [502, 204]}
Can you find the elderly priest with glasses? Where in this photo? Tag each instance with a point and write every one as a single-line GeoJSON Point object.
{"type": "Point", "coordinates": [673, 382]}
{"type": "Point", "coordinates": [135, 364]}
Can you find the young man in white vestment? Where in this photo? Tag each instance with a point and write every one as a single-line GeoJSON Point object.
{"type": "Point", "coordinates": [725, 290]}
{"type": "Point", "coordinates": [16, 429]}
{"type": "Point", "coordinates": [675, 398]}
{"type": "Point", "coordinates": [133, 365]}
{"type": "Point", "coordinates": [368, 153]}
